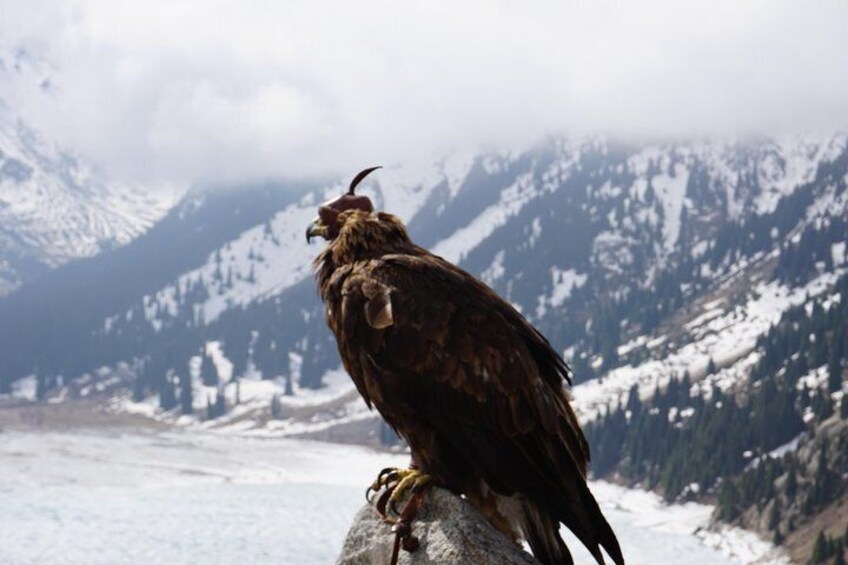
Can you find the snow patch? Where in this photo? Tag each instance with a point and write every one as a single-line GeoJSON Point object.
{"type": "Point", "coordinates": [787, 447]}
{"type": "Point", "coordinates": [563, 282]}
{"type": "Point", "coordinates": [643, 509]}
{"type": "Point", "coordinates": [25, 388]}
{"type": "Point", "coordinates": [728, 339]}
{"type": "Point", "coordinates": [837, 252]}
{"type": "Point", "coordinates": [671, 191]}
{"type": "Point", "coordinates": [512, 199]}
{"type": "Point", "coordinates": [813, 380]}
{"type": "Point", "coordinates": [223, 366]}
{"type": "Point", "coordinates": [495, 271]}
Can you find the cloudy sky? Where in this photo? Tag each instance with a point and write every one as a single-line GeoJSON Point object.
{"type": "Point", "coordinates": [182, 91]}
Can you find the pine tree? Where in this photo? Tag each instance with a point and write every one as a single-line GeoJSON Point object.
{"type": "Point", "coordinates": [40, 386]}
{"type": "Point", "coordinates": [289, 387]}
{"type": "Point", "coordinates": [186, 396]}
{"type": "Point", "coordinates": [808, 506]}
{"type": "Point", "coordinates": [821, 464]}
{"type": "Point", "coordinates": [275, 406]}
{"type": "Point", "coordinates": [834, 371]}
{"type": "Point", "coordinates": [823, 405]}
{"type": "Point", "coordinates": [634, 403]}
{"type": "Point", "coordinates": [843, 407]}
{"type": "Point", "coordinates": [208, 371]}
{"type": "Point", "coordinates": [220, 404]}
{"type": "Point", "coordinates": [820, 549]}
{"type": "Point", "coordinates": [168, 395]}
{"type": "Point", "coordinates": [711, 367]}
{"type": "Point", "coordinates": [727, 499]}
{"type": "Point", "coordinates": [138, 388]}
{"type": "Point", "coordinates": [774, 516]}
{"type": "Point", "coordinates": [791, 482]}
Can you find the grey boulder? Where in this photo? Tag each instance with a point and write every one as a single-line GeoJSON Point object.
{"type": "Point", "coordinates": [448, 528]}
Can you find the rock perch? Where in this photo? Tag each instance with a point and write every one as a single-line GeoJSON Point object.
{"type": "Point", "coordinates": [449, 531]}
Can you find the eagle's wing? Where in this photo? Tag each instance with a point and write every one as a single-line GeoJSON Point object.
{"type": "Point", "coordinates": [480, 374]}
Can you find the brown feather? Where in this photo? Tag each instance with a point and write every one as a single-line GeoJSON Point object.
{"type": "Point", "coordinates": [378, 311]}
{"type": "Point", "coordinates": [476, 390]}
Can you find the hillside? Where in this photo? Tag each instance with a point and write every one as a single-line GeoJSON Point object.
{"type": "Point", "coordinates": [695, 288]}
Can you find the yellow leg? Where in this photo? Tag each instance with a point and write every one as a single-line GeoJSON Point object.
{"type": "Point", "coordinates": [388, 477]}
{"type": "Point", "coordinates": [395, 483]}
{"type": "Point", "coordinates": [411, 481]}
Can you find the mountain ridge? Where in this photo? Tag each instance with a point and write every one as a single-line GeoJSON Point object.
{"type": "Point", "coordinates": [644, 265]}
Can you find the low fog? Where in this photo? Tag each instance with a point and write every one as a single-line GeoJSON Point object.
{"type": "Point", "coordinates": [177, 92]}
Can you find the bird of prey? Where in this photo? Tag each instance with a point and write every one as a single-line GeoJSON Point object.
{"type": "Point", "coordinates": [476, 391]}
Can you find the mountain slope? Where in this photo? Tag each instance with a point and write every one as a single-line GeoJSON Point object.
{"type": "Point", "coordinates": [597, 243]}
{"type": "Point", "coordinates": [53, 207]}
{"type": "Point", "coordinates": [658, 270]}
{"type": "Point", "coordinates": [58, 320]}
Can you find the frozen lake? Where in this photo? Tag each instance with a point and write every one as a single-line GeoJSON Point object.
{"type": "Point", "coordinates": [121, 498]}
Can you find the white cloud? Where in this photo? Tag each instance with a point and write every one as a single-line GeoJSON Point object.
{"type": "Point", "coordinates": [170, 90]}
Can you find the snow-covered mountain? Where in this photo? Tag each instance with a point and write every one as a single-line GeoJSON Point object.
{"type": "Point", "coordinates": [579, 236]}
{"type": "Point", "coordinates": [600, 244]}
{"type": "Point", "coordinates": [646, 265]}
{"type": "Point", "coordinates": [53, 206]}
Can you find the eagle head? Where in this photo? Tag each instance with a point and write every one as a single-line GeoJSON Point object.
{"type": "Point", "coordinates": [326, 224]}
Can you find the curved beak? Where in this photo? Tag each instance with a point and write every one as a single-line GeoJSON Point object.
{"type": "Point", "coordinates": [315, 229]}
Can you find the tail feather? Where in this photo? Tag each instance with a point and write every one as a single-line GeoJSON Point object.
{"type": "Point", "coordinates": [542, 533]}
{"type": "Point", "coordinates": [585, 519]}
{"type": "Point", "coordinates": [581, 515]}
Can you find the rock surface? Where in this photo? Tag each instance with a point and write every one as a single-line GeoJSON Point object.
{"type": "Point", "coordinates": [449, 531]}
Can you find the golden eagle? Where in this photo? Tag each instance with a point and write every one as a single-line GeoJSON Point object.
{"type": "Point", "coordinates": [475, 390]}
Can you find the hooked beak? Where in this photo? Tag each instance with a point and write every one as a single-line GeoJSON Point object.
{"type": "Point", "coordinates": [315, 229]}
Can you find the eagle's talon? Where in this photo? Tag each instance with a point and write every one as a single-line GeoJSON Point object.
{"type": "Point", "coordinates": [383, 481]}
{"type": "Point", "coordinates": [392, 485]}
{"type": "Point", "coordinates": [413, 481]}
{"type": "Point", "coordinates": [382, 501]}
{"type": "Point", "coordinates": [393, 508]}
{"type": "Point", "coordinates": [386, 477]}
{"type": "Point", "coordinates": [385, 474]}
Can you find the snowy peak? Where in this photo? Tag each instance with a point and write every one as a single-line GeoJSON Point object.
{"type": "Point", "coordinates": [599, 243]}
{"type": "Point", "coordinates": [268, 259]}
{"type": "Point", "coordinates": [538, 226]}
{"type": "Point", "coordinates": [53, 207]}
